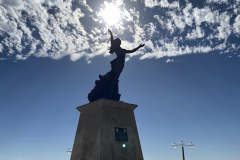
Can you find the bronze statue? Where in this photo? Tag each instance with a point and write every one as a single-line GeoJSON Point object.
{"type": "Point", "coordinates": [107, 86]}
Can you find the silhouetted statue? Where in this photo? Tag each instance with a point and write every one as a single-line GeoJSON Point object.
{"type": "Point", "coordinates": [107, 86]}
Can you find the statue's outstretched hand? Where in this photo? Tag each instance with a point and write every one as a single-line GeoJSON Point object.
{"type": "Point", "coordinates": [141, 45]}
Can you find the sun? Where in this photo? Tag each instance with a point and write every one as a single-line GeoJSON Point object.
{"type": "Point", "coordinates": [110, 14]}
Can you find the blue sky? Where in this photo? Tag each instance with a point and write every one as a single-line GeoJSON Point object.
{"type": "Point", "coordinates": [185, 80]}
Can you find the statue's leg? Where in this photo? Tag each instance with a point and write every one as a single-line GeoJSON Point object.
{"type": "Point", "coordinates": [117, 71]}
{"type": "Point", "coordinates": [112, 85]}
{"type": "Point", "coordinates": [113, 88]}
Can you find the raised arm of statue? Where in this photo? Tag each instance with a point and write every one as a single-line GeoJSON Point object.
{"type": "Point", "coordinates": [135, 49]}
{"type": "Point", "coordinates": [111, 35]}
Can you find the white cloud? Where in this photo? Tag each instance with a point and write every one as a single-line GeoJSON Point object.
{"type": "Point", "coordinates": [127, 59]}
{"type": "Point", "coordinates": [150, 29]}
{"type": "Point", "coordinates": [196, 33]}
{"type": "Point", "coordinates": [201, 49]}
{"type": "Point", "coordinates": [204, 15]}
{"type": "Point", "coordinates": [224, 30]}
{"type": "Point", "coordinates": [1, 48]}
{"type": "Point", "coordinates": [236, 25]}
{"type": "Point", "coordinates": [12, 3]}
{"type": "Point", "coordinates": [166, 24]}
{"type": "Point", "coordinates": [170, 26]}
{"type": "Point", "coordinates": [76, 56]}
{"type": "Point", "coordinates": [151, 3]}
{"type": "Point", "coordinates": [55, 28]}
{"type": "Point", "coordinates": [187, 14]}
{"type": "Point", "coordinates": [56, 38]}
{"type": "Point", "coordinates": [178, 20]}
{"type": "Point", "coordinates": [159, 19]}
{"type": "Point", "coordinates": [170, 60]}
{"type": "Point", "coordinates": [221, 46]}
{"type": "Point", "coordinates": [172, 49]}
{"type": "Point", "coordinates": [98, 49]}
{"type": "Point", "coordinates": [127, 15]}
{"type": "Point", "coordinates": [161, 3]}
{"type": "Point", "coordinates": [84, 3]}
{"type": "Point", "coordinates": [164, 3]}
{"type": "Point", "coordinates": [135, 13]}
{"type": "Point", "coordinates": [217, 1]}
{"type": "Point", "coordinates": [118, 2]}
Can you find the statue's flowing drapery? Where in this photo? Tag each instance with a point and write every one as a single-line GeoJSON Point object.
{"type": "Point", "coordinates": [107, 86]}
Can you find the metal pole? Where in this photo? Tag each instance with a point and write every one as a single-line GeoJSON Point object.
{"type": "Point", "coordinates": [183, 153]}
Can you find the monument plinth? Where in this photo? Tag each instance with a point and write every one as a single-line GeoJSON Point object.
{"type": "Point", "coordinates": [107, 131]}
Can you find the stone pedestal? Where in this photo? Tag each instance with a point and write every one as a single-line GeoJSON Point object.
{"type": "Point", "coordinates": [100, 133]}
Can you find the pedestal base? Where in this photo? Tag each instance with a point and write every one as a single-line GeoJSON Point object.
{"type": "Point", "coordinates": [104, 128]}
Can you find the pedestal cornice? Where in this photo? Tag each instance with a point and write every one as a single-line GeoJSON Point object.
{"type": "Point", "coordinates": [106, 102]}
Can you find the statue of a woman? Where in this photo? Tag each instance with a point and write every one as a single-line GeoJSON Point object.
{"type": "Point", "coordinates": [107, 86]}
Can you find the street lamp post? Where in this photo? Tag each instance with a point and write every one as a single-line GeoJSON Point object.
{"type": "Point", "coordinates": [174, 145]}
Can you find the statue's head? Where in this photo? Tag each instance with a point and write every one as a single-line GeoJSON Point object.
{"type": "Point", "coordinates": [117, 42]}
{"type": "Point", "coordinates": [115, 45]}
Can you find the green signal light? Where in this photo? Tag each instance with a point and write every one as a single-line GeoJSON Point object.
{"type": "Point", "coordinates": [124, 145]}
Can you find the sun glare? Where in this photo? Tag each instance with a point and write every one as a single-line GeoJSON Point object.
{"type": "Point", "coordinates": [111, 14]}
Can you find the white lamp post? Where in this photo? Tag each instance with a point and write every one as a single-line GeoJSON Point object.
{"type": "Point", "coordinates": [174, 145]}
